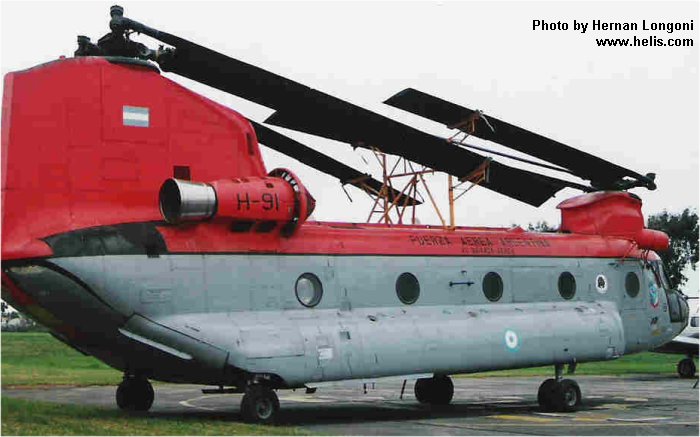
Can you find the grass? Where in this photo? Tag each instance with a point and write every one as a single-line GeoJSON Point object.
{"type": "Point", "coordinates": [21, 417]}
{"type": "Point", "coordinates": [36, 358]}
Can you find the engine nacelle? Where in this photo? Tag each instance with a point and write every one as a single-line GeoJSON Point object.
{"type": "Point", "coordinates": [278, 199]}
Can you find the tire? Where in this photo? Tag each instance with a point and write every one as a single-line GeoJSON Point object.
{"type": "Point", "coordinates": [135, 395]}
{"type": "Point", "coordinates": [123, 396]}
{"type": "Point", "coordinates": [260, 405]}
{"type": "Point", "coordinates": [422, 390]}
{"type": "Point", "coordinates": [443, 390]}
{"type": "Point", "coordinates": [560, 396]}
{"type": "Point", "coordinates": [686, 368]}
{"type": "Point", "coordinates": [569, 395]}
{"type": "Point", "coordinates": [437, 390]}
{"type": "Point", "coordinates": [545, 394]}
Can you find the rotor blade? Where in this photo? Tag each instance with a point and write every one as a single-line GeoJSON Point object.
{"type": "Point", "coordinates": [602, 173]}
{"type": "Point", "coordinates": [232, 75]}
{"type": "Point", "coordinates": [336, 117]}
{"type": "Point", "coordinates": [326, 164]}
{"type": "Point", "coordinates": [330, 117]}
{"type": "Point", "coordinates": [420, 147]}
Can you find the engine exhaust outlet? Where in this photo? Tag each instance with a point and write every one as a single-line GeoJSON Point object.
{"type": "Point", "coordinates": [183, 201]}
{"type": "Point", "coordinates": [276, 201]}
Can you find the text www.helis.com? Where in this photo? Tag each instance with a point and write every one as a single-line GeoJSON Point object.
{"type": "Point", "coordinates": [649, 41]}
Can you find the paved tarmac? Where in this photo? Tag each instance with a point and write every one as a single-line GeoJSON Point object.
{"type": "Point", "coordinates": [630, 405]}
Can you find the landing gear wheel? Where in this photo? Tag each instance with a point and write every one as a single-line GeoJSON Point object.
{"type": "Point", "coordinates": [686, 368]}
{"type": "Point", "coordinates": [422, 390]}
{"type": "Point", "coordinates": [437, 390]}
{"type": "Point", "coordinates": [259, 405]}
{"type": "Point", "coordinates": [135, 394]}
{"type": "Point", "coordinates": [546, 393]}
{"type": "Point", "coordinates": [561, 396]}
{"type": "Point", "coordinates": [568, 396]}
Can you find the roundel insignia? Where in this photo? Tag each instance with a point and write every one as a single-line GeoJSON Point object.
{"type": "Point", "coordinates": [511, 339]}
{"type": "Point", "coordinates": [653, 295]}
{"type": "Point", "coordinates": [601, 283]}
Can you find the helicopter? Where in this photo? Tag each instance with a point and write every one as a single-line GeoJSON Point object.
{"type": "Point", "coordinates": [141, 226]}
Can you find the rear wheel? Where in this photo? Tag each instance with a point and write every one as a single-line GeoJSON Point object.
{"type": "Point", "coordinates": [259, 405]}
{"type": "Point", "coordinates": [135, 394]}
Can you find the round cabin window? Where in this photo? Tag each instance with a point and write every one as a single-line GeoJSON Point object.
{"type": "Point", "coordinates": [567, 285]}
{"type": "Point", "coordinates": [493, 286]}
{"type": "Point", "coordinates": [407, 288]}
{"type": "Point", "coordinates": [308, 290]}
{"type": "Point", "coordinates": [632, 284]}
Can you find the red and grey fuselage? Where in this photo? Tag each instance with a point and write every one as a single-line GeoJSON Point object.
{"type": "Point", "coordinates": [241, 284]}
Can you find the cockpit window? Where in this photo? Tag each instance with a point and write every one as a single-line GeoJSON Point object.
{"type": "Point", "coordinates": [661, 274]}
{"type": "Point", "coordinates": [654, 271]}
{"type": "Point", "coordinates": [677, 306]}
{"type": "Point", "coordinates": [650, 276]}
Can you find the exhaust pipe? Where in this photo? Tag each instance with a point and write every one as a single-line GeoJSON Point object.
{"type": "Point", "coordinates": [277, 200]}
{"type": "Point", "coordinates": [186, 201]}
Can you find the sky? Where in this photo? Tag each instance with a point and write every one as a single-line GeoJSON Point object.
{"type": "Point", "coordinates": [635, 106]}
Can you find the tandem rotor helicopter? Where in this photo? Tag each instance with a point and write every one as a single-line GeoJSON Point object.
{"type": "Point", "coordinates": [141, 226]}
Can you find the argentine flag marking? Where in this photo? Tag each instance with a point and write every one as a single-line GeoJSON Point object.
{"type": "Point", "coordinates": [135, 116]}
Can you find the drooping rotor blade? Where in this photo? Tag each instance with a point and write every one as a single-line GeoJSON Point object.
{"type": "Point", "coordinates": [345, 122]}
{"type": "Point", "coordinates": [326, 164]}
{"type": "Point", "coordinates": [602, 174]}
{"type": "Point", "coordinates": [362, 128]}
{"type": "Point", "coordinates": [302, 108]}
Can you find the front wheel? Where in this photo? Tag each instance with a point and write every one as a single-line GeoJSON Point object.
{"type": "Point", "coordinates": [568, 396]}
{"type": "Point", "coordinates": [437, 390]}
{"type": "Point", "coordinates": [561, 396]}
{"type": "Point", "coordinates": [545, 394]}
{"type": "Point", "coordinates": [686, 368]}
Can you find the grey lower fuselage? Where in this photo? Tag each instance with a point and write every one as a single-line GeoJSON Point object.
{"type": "Point", "coordinates": [210, 318]}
